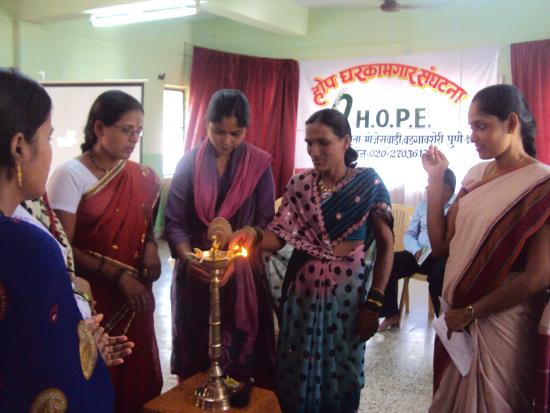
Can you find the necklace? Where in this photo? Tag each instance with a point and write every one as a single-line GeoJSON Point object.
{"type": "Point", "coordinates": [94, 162]}
{"type": "Point", "coordinates": [325, 190]}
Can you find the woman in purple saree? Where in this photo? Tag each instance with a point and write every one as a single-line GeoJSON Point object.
{"type": "Point", "coordinates": [223, 176]}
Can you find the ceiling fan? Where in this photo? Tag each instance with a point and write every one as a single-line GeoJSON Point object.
{"type": "Point", "coordinates": [392, 6]}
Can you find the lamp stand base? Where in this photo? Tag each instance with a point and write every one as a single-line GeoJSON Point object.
{"type": "Point", "coordinates": [213, 396]}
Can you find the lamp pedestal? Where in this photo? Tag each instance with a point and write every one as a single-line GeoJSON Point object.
{"type": "Point", "coordinates": [214, 394]}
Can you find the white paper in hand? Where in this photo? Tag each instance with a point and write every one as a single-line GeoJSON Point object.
{"type": "Point", "coordinates": [461, 345]}
{"type": "Point", "coordinates": [426, 251]}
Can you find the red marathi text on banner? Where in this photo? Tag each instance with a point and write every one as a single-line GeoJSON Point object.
{"type": "Point", "coordinates": [418, 77]}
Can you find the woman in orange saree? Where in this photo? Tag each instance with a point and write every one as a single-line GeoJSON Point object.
{"type": "Point", "coordinates": [110, 226]}
{"type": "Point", "coordinates": [496, 236]}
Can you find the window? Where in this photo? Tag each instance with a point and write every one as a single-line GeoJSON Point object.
{"type": "Point", "coordinates": [173, 130]}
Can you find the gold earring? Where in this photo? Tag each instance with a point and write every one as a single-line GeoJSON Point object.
{"type": "Point", "coordinates": [19, 174]}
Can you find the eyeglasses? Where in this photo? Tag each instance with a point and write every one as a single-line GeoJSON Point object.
{"type": "Point", "coordinates": [129, 131]}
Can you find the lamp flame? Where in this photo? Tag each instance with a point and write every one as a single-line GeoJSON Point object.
{"type": "Point", "coordinates": [239, 251]}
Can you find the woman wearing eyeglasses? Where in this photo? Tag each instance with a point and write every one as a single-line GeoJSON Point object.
{"type": "Point", "coordinates": [107, 205]}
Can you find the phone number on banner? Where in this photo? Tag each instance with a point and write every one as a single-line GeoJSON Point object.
{"type": "Point", "coordinates": [391, 153]}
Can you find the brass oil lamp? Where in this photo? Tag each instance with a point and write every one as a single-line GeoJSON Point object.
{"type": "Point", "coordinates": [214, 394]}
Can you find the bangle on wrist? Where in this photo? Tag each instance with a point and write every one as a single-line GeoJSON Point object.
{"type": "Point", "coordinates": [375, 300]}
{"type": "Point", "coordinates": [101, 263]}
{"type": "Point", "coordinates": [371, 306]}
{"type": "Point", "coordinates": [258, 233]}
{"type": "Point", "coordinates": [377, 295]}
{"type": "Point", "coordinates": [85, 296]}
{"type": "Point", "coordinates": [470, 312]}
{"type": "Point", "coordinates": [183, 263]}
{"type": "Point", "coordinates": [118, 274]}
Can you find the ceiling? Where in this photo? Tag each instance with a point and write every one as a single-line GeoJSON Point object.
{"type": "Point", "coordinates": [280, 16]}
{"type": "Point", "coordinates": [363, 3]}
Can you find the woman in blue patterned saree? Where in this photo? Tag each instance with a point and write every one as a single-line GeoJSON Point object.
{"type": "Point", "coordinates": [49, 361]}
{"type": "Point", "coordinates": [338, 219]}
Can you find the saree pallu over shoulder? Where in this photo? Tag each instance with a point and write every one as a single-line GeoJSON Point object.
{"type": "Point", "coordinates": [105, 180]}
{"type": "Point", "coordinates": [315, 226]}
{"type": "Point", "coordinates": [113, 220]}
{"type": "Point", "coordinates": [495, 219]}
{"type": "Point", "coordinates": [251, 166]}
{"type": "Point", "coordinates": [508, 210]}
{"type": "Point", "coordinates": [114, 216]}
{"type": "Point", "coordinates": [320, 358]}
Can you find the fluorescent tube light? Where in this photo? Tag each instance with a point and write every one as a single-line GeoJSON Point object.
{"type": "Point", "coordinates": [141, 12]}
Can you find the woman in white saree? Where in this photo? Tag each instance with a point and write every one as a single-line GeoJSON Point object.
{"type": "Point", "coordinates": [496, 236]}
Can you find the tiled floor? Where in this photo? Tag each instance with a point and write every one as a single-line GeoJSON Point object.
{"type": "Point", "coordinates": [398, 363]}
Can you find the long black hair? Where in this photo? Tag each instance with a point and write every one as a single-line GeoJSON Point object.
{"type": "Point", "coordinates": [500, 101]}
{"type": "Point", "coordinates": [108, 108]}
{"type": "Point", "coordinates": [341, 128]}
{"type": "Point", "coordinates": [24, 107]}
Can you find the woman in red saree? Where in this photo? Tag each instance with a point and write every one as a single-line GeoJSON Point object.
{"type": "Point", "coordinates": [497, 236]}
{"type": "Point", "coordinates": [106, 204]}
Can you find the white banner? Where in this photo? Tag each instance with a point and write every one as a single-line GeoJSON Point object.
{"type": "Point", "coordinates": [397, 106]}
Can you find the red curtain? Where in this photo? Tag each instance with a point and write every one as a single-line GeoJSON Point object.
{"type": "Point", "coordinates": [531, 74]}
{"type": "Point", "coordinates": [271, 86]}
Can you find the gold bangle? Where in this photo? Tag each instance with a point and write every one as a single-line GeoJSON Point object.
{"type": "Point", "coordinates": [84, 295]}
{"type": "Point", "coordinates": [375, 302]}
{"type": "Point", "coordinates": [379, 290]}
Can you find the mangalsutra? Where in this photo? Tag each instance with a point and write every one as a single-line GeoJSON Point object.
{"type": "Point", "coordinates": [325, 190]}
{"type": "Point", "coordinates": [94, 162]}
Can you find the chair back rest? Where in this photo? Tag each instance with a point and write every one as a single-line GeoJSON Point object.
{"type": "Point", "coordinates": [401, 217]}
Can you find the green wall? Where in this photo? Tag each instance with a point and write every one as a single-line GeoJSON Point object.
{"type": "Point", "coordinates": [350, 32]}
{"type": "Point", "coordinates": [74, 50]}
{"type": "Point", "coordinates": [6, 39]}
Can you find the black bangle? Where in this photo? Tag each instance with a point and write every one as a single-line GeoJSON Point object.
{"type": "Point", "coordinates": [101, 263]}
{"type": "Point", "coordinates": [377, 295]}
{"type": "Point", "coordinates": [375, 300]}
{"type": "Point", "coordinates": [259, 235]}
{"type": "Point", "coordinates": [118, 274]}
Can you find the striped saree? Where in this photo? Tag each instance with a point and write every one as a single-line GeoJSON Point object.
{"type": "Point", "coordinates": [495, 219]}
